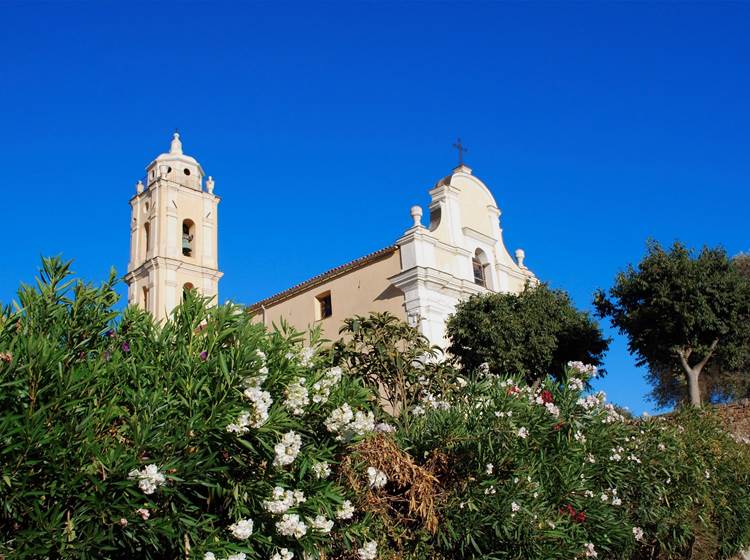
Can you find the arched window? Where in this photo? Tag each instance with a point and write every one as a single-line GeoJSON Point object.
{"type": "Point", "coordinates": [188, 234]}
{"type": "Point", "coordinates": [479, 264]}
{"type": "Point", "coordinates": [147, 236]}
{"type": "Point", "coordinates": [186, 288]}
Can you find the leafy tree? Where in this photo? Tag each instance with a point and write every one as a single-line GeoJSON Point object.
{"type": "Point", "coordinates": [683, 314]}
{"type": "Point", "coordinates": [532, 334]}
{"type": "Point", "coordinates": [393, 358]}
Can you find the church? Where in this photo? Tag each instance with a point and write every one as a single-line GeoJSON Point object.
{"type": "Point", "coordinates": [457, 252]}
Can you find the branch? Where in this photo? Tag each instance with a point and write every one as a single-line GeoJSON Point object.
{"type": "Point", "coordinates": [699, 365]}
{"type": "Point", "coordinates": [684, 355]}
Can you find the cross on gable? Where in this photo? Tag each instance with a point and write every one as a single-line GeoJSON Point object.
{"type": "Point", "coordinates": [461, 150]}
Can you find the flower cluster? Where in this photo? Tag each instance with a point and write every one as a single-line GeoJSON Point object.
{"type": "Point", "coordinates": [281, 500]}
{"type": "Point", "coordinates": [242, 529]}
{"type": "Point", "coordinates": [321, 524]}
{"type": "Point", "coordinates": [283, 554]}
{"type": "Point", "coordinates": [321, 470]}
{"type": "Point", "coordinates": [261, 403]}
{"type": "Point", "coordinates": [290, 525]}
{"type": "Point", "coordinates": [376, 478]}
{"type": "Point", "coordinates": [369, 551]}
{"type": "Point", "coordinates": [322, 388]}
{"type": "Point", "coordinates": [346, 511]}
{"type": "Point", "coordinates": [347, 423]}
{"type": "Point", "coordinates": [297, 397]}
{"type": "Point", "coordinates": [149, 478]}
{"type": "Point", "coordinates": [287, 449]}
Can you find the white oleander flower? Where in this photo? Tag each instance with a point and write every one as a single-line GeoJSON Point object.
{"type": "Point", "coordinates": [346, 511]}
{"type": "Point", "coordinates": [638, 533]}
{"type": "Point", "coordinates": [523, 433]}
{"type": "Point", "coordinates": [281, 500]}
{"type": "Point", "coordinates": [489, 468]}
{"type": "Point", "coordinates": [209, 556]}
{"type": "Point", "coordinates": [369, 551]}
{"type": "Point", "coordinates": [339, 418]}
{"type": "Point", "coordinates": [291, 526]}
{"type": "Point", "coordinates": [306, 356]}
{"type": "Point", "coordinates": [514, 507]}
{"type": "Point", "coordinates": [322, 388]}
{"type": "Point", "coordinates": [283, 554]}
{"type": "Point", "coordinates": [238, 556]}
{"type": "Point", "coordinates": [586, 369]}
{"type": "Point", "coordinates": [418, 410]}
{"type": "Point", "coordinates": [261, 403]}
{"type": "Point", "coordinates": [287, 449]}
{"type": "Point", "coordinates": [297, 397]}
{"type": "Point", "coordinates": [321, 524]}
{"type": "Point", "coordinates": [364, 423]}
{"type": "Point", "coordinates": [149, 478]}
{"type": "Point", "coordinates": [242, 529]}
{"type": "Point", "coordinates": [377, 478]}
{"type": "Point", "coordinates": [575, 384]}
{"type": "Point", "coordinates": [321, 470]}
{"type": "Point", "coordinates": [590, 551]}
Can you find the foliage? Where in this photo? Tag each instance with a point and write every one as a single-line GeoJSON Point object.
{"type": "Point", "coordinates": [393, 358]}
{"type": "Point", "coordinates": [682, 313]}
{"type": "Point", "coordinates": [530, 334]}
{"type": "Point", "coordinates": [546, 473]}
{"type": "Point", "coordinates": [115, 436]}
{"type": "Point", "coordinates": [122, 438]}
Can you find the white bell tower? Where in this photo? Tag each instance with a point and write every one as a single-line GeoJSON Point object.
{"type": "Point", "coordinates": [173, 234]}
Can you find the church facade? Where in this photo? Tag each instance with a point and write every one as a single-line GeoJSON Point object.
{"type": "Point", "coordinates": [420, 278]}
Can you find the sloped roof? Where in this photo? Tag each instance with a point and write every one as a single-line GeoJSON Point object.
{"type": "Point", "coordinates": [320, 278]}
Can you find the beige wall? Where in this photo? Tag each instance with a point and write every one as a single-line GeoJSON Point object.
{"type": "Point", "coordinates": [356, 292]}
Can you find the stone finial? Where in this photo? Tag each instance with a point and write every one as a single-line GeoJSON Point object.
{"type": "Point", "coordinates": [416, 215]}
{"type": "Point", "coordinates": [520, 256]}
{"type": "Point", "coordinates": [139, 187]}
{"type": "Point", "coordinates": [176, 146]}
{"type": "Point", "coordinates": [210, 185]}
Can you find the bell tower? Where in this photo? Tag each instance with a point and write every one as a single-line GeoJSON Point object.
{"type": "Point", "coordinates": [173, 234]}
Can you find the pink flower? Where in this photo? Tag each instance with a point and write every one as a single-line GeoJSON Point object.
{"type": "Point", "coordinates": [123, 522]}
{"type": "Point", "coordinates": [144, 513]}
{"type": "Point", "coordinates": [204, 356]}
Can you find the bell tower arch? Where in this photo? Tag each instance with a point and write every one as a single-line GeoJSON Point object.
{"type": "Point", "coordinates": [173, 234]}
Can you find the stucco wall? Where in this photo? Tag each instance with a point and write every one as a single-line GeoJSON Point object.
{"type": "Point", "coordinates": [356, 292]}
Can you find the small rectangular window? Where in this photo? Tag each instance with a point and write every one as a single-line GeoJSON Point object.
{"type": "Point", "coordinates": [324, 306]}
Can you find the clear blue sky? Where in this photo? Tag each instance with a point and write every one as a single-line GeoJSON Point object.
{"type": "Point", "coordinates": [596, 125]}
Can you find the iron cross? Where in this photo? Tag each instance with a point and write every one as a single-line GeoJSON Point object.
{"type": "Point", "coordinates": [461, 151]}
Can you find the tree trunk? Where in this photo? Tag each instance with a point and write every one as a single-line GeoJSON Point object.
{"type": "Point", "coordinates": [695, 390]}
{"type": "Point", "coordinates": [693, 373]}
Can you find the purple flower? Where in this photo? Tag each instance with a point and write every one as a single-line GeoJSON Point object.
{"type": "Point", "coordinates": [204, 356]}
{"type": "Point", "coordinates": [110, 333]}
{"type": "Point", "coordinates": [125, 347]}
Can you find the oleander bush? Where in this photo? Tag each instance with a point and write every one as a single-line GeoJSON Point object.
{"type": "Point", "coordinates": [210, 437]}
{"type": "Point", "coordinates": [203, 437]}
{"type": "Point", "coordinates": [542, 472]}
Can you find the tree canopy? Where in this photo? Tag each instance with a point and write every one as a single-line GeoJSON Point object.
{"type": "Point", "coordinates": [684, 314]}
{"type": "Point", "coordinates": [532, 334]}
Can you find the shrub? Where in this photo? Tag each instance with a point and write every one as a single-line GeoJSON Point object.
{"type": "Point", "coordinates": [544, 472]}
{"type": "Point", "coordinates": [120, 438]}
